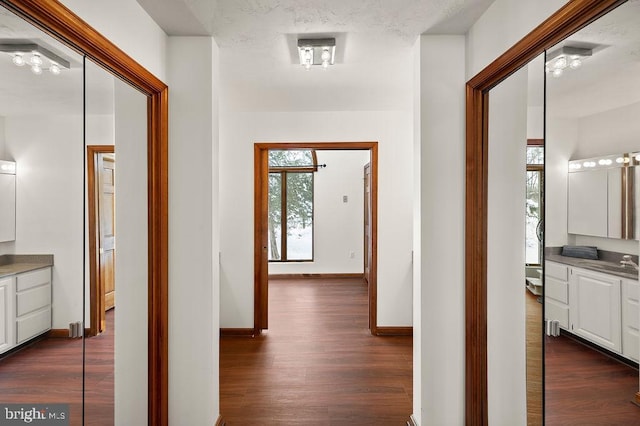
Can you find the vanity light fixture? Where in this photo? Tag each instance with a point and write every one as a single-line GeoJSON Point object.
{"type": "Point", "coordinates": [37, 57]}
{"type": "Point", "coordinates": [321, 51]}
{"type": "Point", "coordinates": [606, 161]}
{"type": "Point", "coordinates": [566, 57]}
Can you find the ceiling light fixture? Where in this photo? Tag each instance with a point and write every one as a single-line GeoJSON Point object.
{"type": "Point", "coordinates": [39, 60]}
{"type": "Point", "coordinates": [566, 57]}
{"type": "Point", "coordinates": [321, 51]}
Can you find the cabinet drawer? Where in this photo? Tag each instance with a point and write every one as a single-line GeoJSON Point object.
{"type": "Point", "coordinates": [33, 324]}
{"type": "Point", "coordinates": [33, 299]}
{"type": "Point", "coordinates": [557, 311]}
{"type": "Point", "coordinates": [556, 289]}
{"type": "Point", "coordinates": [33, 279]}
{"type": "Point", "coordinates": [556, 270]}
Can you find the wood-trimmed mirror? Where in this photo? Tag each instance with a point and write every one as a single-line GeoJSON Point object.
{"type": "Point", "coordinates": [58, 21]}
{"type": "Point", "coordinates": [569, 19]}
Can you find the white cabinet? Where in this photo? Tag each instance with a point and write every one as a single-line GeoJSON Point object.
{"type": "Point", "coordinates": [7, 336]}
{"type": "Point", "coordinates": [25, 307]}
{"type": "Point", "coordinates": [595, 308]}
{"type": "Point", "coordinates": [630, 319]}
{"type": "Point", "coordinates": [33, 304]}
{"type": "Point", "coordinates": [587, 203]}
{"type": "Point", "coordinates": [557, 293]}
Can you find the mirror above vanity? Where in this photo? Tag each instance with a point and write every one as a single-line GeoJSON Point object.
{"type": "Point", "coordinates": [7, 201]}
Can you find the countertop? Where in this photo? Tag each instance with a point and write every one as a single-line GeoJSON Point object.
{"type": "Point", "coordinates": [604, 266]}
{"type": "Point", "coordinates": [11, 264]}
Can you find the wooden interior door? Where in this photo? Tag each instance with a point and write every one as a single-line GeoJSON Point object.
{"type": "Point", "coordinates": [367, 221]}
{"type": "Point", "coordinates": [107, 233]}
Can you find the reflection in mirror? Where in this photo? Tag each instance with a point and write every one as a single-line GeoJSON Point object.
{"type": "Point", "coordinates": [116, 149]}
{"type": "Point", "coordinates": [514, 312]}
{"type": "Point", "coordinates": [41, 272]}
{"type": "Point", "coordinates": [591, 289]}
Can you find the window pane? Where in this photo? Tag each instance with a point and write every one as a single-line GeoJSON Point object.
{"type": "Point", "coordinates": [290, 158]}
{"type": "Point", "coordinates": [299, 216]}
{"type": "Point", "coordinates": [535, 155]}
{"type": "Point", "coordinates": [275, 215]}
{"type": "Point", "coordinates": [532, 254]}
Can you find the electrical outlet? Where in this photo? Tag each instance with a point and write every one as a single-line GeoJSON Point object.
{"type": "Point", "coordinates": [345, 198]}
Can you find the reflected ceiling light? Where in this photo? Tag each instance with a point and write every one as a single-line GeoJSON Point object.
{"type": "Point", "coordinates": [566, 57]}
{"type": "Point", "coordinates": [321, 51]}
{"type": "Point", "coordinates": [39, 60]}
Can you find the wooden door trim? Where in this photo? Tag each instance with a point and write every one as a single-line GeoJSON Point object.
{"type": "Point", "coordinates": [570, 18]}
{"type": "Point", "coordinates": [261, 170]}
{"type": "Point", "coordinates": [95, 293]}
{"type": "Point", "coordinates": [57, 20]}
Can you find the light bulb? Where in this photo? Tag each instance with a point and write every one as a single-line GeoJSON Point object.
{"type": "Point", "coordinates": [619, 160]}
{"type": "Point", "coordinates": [36, 59]}
{"type": "Point", "coordinates": [36, 69]}
{"type": "Point", "coordinates": [560, 63]}
{"type": "Point", "coordinates": [638, 157]}
{"type": "Point", "coordinates": [325, 65]}
{"type": "Point", "coordinates": [307, 66]}
{"type": "Point", "coordinates": [54, 69]}
{"type": "Point", "coordinates": [577, 166]}
{"type": "Point", "coordinates": [575, 63]}
{"type": "Point", "coordinates": [307, 55]}
{"type": "Point", "coordinates": [325, 55]}
{"type": "Point", "coordinates": [626, 160]}
{"type": "Point", "coordinates": [557, 72]}
{"type": "Point", "coordinates": [18, 59]}
{"type": "Point", "coordinates": [602, 162]}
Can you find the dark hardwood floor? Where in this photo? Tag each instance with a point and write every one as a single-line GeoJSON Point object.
{"type": "Point", "coordinates": [585, 387]}
{"type": "Point", "coordinates": [50, 371]}
{"type": "Point", "coordinates": [317, 364]}
{"type": "Point", "coordinates": [534, 359]}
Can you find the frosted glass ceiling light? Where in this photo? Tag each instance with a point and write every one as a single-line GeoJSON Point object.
{"type": "Point", "coordinates": [18, 59]}
{"type": "Point", "coordinates": [317, 52]}
{"type": "Point", "coordinates": [39, 58]}
{"type": "Point", "coordinates": [566, 57]}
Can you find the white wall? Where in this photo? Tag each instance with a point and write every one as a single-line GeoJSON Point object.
{"type": "Point", "coordinates": [193, 287]}
{"type": "Point", "coordinates": [2, 138]}
{"type": "Point", "coordinates": [49, 152]}
{"type": "Point", "coordinates": [393, 132]}
{"type": "Point", "coordinates": [610, 132]}
{"type": "Point", "coordinates": [131, 256]}
{"type": "Point", "coordinates": [438, 287]}
{"type": "Point", "coordinates": [338, 226]}
{"type": "Point", "coordinates": [506, 251]}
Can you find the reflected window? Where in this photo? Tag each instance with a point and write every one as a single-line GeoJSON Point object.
{"type": "Point", "coordinates": [533, 217]}
{"type": "Point", "coordinates": [291, 205]}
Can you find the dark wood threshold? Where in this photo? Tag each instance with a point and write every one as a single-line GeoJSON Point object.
{"type": "Point", "coordinates": [239, 332]}
{"type": "Point", "coordinates": [637, 399]}
{"type": "Point", "coordinates": [393, 331]}
{"type": "Point", "coordinates": [220, 421]}
{"type": "Point", "coordinates": [600, 349]}
{"type": "Point", "coordinates": [325, 276]}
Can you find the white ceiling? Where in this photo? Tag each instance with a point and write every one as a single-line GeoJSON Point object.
{"type": "Point", "coordinates": [259, 60]}
{"type": "Point", "coordinates": [610, 78]}
{"type": "Point", "coordinates": [24, 93]}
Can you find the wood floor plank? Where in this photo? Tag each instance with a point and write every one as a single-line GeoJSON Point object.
{"type": "Point", "coordinates": [586, 387]}
{"type": "Point", "coordinates": [317, 364]}
{"type": "Point", "coordinates": [50, 371]}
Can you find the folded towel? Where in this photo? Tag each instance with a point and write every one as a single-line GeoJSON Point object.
{"type": "Point", "coordinates": [584, 252]}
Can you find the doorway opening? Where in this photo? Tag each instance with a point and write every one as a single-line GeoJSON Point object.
{"type": "Point", "coordinates": [261, 223]}
{"type": "Point", "coordinates": [101, 220]}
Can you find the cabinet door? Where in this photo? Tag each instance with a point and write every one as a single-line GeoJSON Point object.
{"type": "Point", "coordinates": [587, 204]}
{"type": "Point", "coordinates": [630, 319]}
{"type": "Point", "coordinates": [6, 314]}
{"type": "Point", "coordinates": [595, 308]}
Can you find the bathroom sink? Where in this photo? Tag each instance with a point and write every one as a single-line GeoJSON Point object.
{"type": "Point", "coordinates": [610, 267]}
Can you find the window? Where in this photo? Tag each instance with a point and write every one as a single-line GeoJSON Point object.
{"type": "Point", "coordinates": [534, 207]}
{"type": "Point", "coordinates": [291, 205]}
